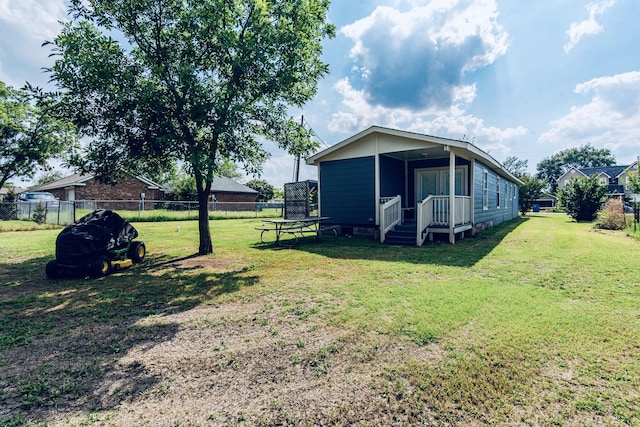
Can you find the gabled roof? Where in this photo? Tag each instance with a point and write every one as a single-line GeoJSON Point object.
{"type": "Point", "coordinates": [74, 180]}
{"type": "Point", "coordinates": [4, 190]}
{"type": "Point", "coordinates": [628, 168]}
{"type": "Point", "coordinates": [610, 171]}
{"type": "Point", "coordinates": [416, 143]}
{"type": "Point", "coordinates": [223, 184]}
{"type": "Point", "coordinates": [80, 180]}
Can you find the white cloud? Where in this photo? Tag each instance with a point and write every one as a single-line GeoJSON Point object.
{"type": "Point", "coordinates": [24, 26]}
{"type": "Point", "coordinates": [589, 26]}
{"type": "Point", "coordinates": [409, 69]}
{"type": "Point", "coordinates": [416, 58]}
{"type": "Point", "coordinates": [453, 122]}
{"type": "Point", "coordinates": [611, 118]}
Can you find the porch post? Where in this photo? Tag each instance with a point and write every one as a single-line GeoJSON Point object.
{"type": "Point", "coordinates": [376, 190]}
{"type": "Point", "coordinates": [452, 195]}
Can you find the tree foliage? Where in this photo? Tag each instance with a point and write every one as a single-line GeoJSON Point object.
{"type": "Point", "coordinates": [633, 182]}
{"type": "Point", "coordinates": [228, 169]}
{"type": "Point", "coordinates": [46, 177]}
{"type": "Point", "coordinates": [517, 167]}
{"type": "Point", "coordinates": [530, 190]}
{"type": "Point", "coordinates": [550, 169]}
{"type": "Point", "coordinates": [29, 135]}
{"type": "Point", "coordinates": [582, 198]}
{"type": "Point", "coordinates": [194, 81]}
{"type": "Point", "coordinates": [264, 189]}
{"type": "Point", "coordinates": [183, 187]}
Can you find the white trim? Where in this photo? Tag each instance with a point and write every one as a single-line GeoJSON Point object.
{"type": "Point", "coordinates": [376, 190]}
{"type": "Point", "coordinates": [470, 150]}
{"type": "Point", "coordinates": [485, 189]}
{"type": "Point", "coordinates": [417, 182]}
{"type": "Point", "coordinates": [452, 196]}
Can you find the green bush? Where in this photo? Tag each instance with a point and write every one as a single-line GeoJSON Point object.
{"type": "Point", "coordinates": [582, 198]}
{"type": "Point", "coordinates": [612, 217]}
{"type": "Point", "coordinates": [40, 214]}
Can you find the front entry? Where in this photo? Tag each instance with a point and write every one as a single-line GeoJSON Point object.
{"type": "Point", "coordinates": [435, 182]}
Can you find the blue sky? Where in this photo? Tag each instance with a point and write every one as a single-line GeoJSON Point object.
{"type": "Point", "coordinates": [524, 79]}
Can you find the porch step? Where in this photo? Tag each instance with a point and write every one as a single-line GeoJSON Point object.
{"type": "Point", "coordinates": [403, 234]}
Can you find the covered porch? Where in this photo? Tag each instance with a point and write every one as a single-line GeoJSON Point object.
{"type": "Point", "coordinates": [434, 196]}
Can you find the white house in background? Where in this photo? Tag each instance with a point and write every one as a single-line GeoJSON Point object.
{"type": "Point", "coordinates": [615, 178]}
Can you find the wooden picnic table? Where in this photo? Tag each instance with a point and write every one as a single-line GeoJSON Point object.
{"type": "Point", "coordinates": [294, 227]}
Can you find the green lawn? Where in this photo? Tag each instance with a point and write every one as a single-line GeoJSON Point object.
{"type": "Point", "coordinates": [534, 322]}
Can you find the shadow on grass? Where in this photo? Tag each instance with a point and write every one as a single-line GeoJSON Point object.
{"type": "Point", "coordinates": [465, 253]}
{"type": "Point", "coordinates": [63, 343]}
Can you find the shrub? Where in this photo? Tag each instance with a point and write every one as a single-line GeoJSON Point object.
{"type": "Point", "coordinates": [40, 214]}
{"type": "Point", "coordinates": [612, 217]}
{"type": "Point", "coordinates": [582, 198]}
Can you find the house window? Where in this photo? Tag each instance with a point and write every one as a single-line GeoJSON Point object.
{"type": "Point", "coordinates": [485, 191]}
{"type": "Point", "coordinates": [506, 195]}
{"type": "Point", "coordinates": [602, 181]}
{"type": "Point", "coordinates": [498, 193]}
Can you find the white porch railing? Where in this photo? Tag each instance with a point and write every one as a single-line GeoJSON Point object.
{"type": "Point", "coordinates": [390, 214]}
{"type": "Point", "coordinates": [434, 212]}
{"type": "Point", "coordinates": [424, 218]}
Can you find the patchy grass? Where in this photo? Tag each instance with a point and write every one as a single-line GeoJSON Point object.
{"type": "Point", "coordinates": [533, 322]}
{"type": "Point", "coordinates": [15, 225]}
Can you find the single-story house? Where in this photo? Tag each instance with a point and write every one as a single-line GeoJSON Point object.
{"type": "Point", "coordinates": [4, 192]}
{"type": "Point", "coordinates": [227, 190]}
{"type": "Point", "coordinates": [546, 201]}
{"type": "Point", "coordinates": [613, 177]}
{"type": "Point", "coordinates": [87, 187]}
{"type": "Point", "coordinates": [232, 195]}
{"type": "Point", "coordinates": [391, 183]}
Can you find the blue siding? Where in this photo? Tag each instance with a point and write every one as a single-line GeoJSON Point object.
{"type": "Point", "coordinates": [493, 215]}
{"type": "Point", "coordinates": [347, 192]}
{"type": "Point", "coordinates": [391, 177]}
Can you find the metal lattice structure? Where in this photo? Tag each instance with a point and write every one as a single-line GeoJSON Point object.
{"type": "Point", "coordinates": [296, 200]}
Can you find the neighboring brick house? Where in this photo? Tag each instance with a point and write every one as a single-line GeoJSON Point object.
{"type": "Point", "coordinates": [613, 177]}
{"type": "Point", "coordinates": [87, 187]}
{"type": "Point", "coordinates": [4, 191]}
{"type": "Point", "coordinates": [227, 191]}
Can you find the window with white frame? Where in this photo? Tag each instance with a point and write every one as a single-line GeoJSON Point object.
{"type": "Point", "coordinates": [498, 193]}
{"type": "Point", "coordinates": [485, 190]}
{"type": "Point", "coordinates": [506, 195]}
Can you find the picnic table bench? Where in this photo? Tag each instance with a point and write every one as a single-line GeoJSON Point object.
{"type": "Point", "coordinates": [295, 227]}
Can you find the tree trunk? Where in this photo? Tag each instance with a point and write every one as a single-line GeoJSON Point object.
{"type": "Point", "coordinates": [206, 246]}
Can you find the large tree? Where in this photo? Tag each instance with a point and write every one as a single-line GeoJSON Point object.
{"type": "Point", "coordinates": [517, 167]}
{"type": "Point", "coordinates": [29, 136]}
{"type": "Point", "coordinates": [550, 169]}
{"type": "Point", "coordinates": [529, 191]}
{"type": "Point", "coordinates": [264, 189]}
{"type": "Point", "coordinates": [189, 80]}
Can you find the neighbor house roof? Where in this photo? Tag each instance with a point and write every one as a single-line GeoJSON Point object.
{"type": "Point", "coordinates": [227, 185]}
{"type": "Point", "coordinates": [610, 171]}
{"type": "Point", "coordinates": [4, 190]}
{"type": "Point", "coordinates": [412, 143]}
{"type": "Point", "coordinates": [79, 180]}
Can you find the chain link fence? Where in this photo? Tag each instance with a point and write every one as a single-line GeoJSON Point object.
{"type": "Point", "coordinates": [43, 212]}
{"type": "Point", "coordinates": [64, 213]}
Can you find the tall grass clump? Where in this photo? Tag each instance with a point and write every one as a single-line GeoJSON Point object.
{"type": "Point", "coordinates": [612, 217]}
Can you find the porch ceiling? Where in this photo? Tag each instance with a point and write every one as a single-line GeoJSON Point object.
{"type": "Point", "coordinates": [419, 154]}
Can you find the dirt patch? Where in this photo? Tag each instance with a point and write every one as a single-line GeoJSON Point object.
{"type": "Point", "coordinates": [255, 363]}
